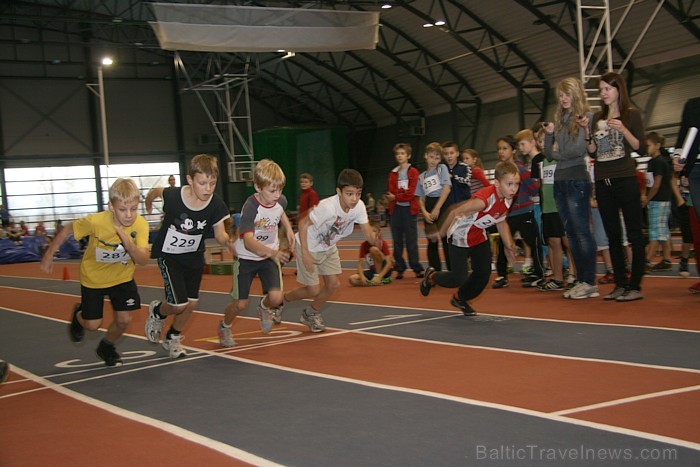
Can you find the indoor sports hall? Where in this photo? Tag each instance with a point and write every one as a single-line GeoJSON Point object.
{"type": "Point", "coordinates": [95, 91]}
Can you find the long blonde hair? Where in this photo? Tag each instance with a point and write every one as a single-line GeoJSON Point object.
{"type": "Point", "coordinates": [573, 88]}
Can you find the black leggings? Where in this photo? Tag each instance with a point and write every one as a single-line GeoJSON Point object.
{"type": "Point", "coordinates": [470, 285]}
{"type": "Point", "coordinates": [526, 225]}
{"type": "Point", "coordinates": [433, 250]}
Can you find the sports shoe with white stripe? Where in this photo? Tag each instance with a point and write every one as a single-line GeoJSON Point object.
{"type": "Point", "coordinates": [174, 346]}
{"type": "Point", "coordinates": [154, 325]}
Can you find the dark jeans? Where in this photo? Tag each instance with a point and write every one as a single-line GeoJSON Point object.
{"type": "Point", "coordinates": [615, 195]}
{"type": "Point", "coordinates": [574, 206]}
{"type": "Point", "coordinates": [526, 225]}
{"type": "Point", "coordinates": [404, 231]}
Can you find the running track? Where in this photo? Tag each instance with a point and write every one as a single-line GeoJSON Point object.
{"type": "Point", "coordinates": [398, 379]}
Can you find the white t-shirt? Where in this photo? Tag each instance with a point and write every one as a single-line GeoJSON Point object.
{"type": "Point", "coordinates": [329, 223]}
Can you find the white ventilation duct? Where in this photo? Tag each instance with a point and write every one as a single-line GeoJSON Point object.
{"type": "Point", "coordinates": [230, 28]}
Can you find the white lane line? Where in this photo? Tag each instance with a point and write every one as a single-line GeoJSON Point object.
{"type": "Point", "coordinates": [548, 416]}
{"type": "Point", "coordinates": [627, 400]}
{"type": "Point", "coordinates": [175, 430]}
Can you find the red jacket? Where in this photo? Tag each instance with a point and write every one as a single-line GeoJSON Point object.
{"type": "Point", "coordinates": [404, 195]}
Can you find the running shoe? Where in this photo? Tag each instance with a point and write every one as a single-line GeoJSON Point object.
{"type": "Point", "coordinates": [108, 353]}
{"type": "Point", "coordinates": [266, 318]}
{"type": "Point", "coordinates": [683, 268]}
{"type": "Point", "coordinates": [630, 295]}
{"type": "Point", "coordinates": [663, 265]}
{"type": "Point", "coordinates": [225, 336]}
{"type": "Point", "coordinates": [277, 313]}
{"type": "Point", "coordinates": [467, 310]}
{"type": "Point", "coordinates": [173, 344]}
{"type": "Point", "coordinates": [584, 290]}
{"type": "Point", "coordinates": [312, 320]}
{"type": "Point", "coordinates": [695, 288]}
{"type": "Point", "coordinates": [75, 329]}
{"type": "Point", "coordinates": [617, 292]}
{"type": "Point", "coordinates": [500, 283]}
{"type": "Point", "coordinates": [426, 284]}
{"type": "Point", "coordinates": [551, 285]}
{"type": "Point", "coordinates": [154, 324]}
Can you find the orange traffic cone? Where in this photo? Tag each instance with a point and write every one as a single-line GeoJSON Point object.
{"type": "Point", "coordinates": [66, 276]}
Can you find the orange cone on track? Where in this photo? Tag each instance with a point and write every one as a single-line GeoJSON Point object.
{"type": "Point", "coordinates": [66, 276]}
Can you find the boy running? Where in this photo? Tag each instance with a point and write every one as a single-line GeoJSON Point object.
{"type": "Point", "coordinates": [191, 213]}
{"type": "Point", "coordinates": [258, 249]}
{"type": "Point", "coordinates": [316, 251]}
{"type": "Point", "coordinates": [118, 240]}
{"type": "Point", "coordinates": [466, 226]}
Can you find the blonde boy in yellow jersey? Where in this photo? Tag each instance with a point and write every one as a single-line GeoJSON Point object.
{"type": "Point", "coordinates": [118, 240]}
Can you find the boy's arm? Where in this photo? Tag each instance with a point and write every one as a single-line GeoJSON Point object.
{"type": "Point", "coordinates": [305, 253]}
{"type": "Point", "coordinates": [256, 247]}
{"type": "Point", "coordinates": [445, 193]}
{"type": "Point", "coordinates": [47, 259]}
{"type": "Point", "coordinates": [361, 270]}
{"type": "Point", "coordinates": [140, 255]}
{"type": "Point", "coordinates": [653, 190]}
{"type": "Point", "coordinates": [152, 195]}
{"type": "Point", "coordinates": [510, 247]}
{"type": "Point", "coordinates": [426, 215]}
{"type": "Point", "coordinates": [288, 230]}
{"type": "Point", "coordinates": [388, 264]}
{"type": "Point", "coordinates": [368, 233]}
{"type": "Point", "coordinates": [223, 238]}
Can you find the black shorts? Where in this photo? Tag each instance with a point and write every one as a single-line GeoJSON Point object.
{"type": "Point", "coordinates": [552, 226]}
{"type": "Point", "coordinates": [181, 283]}
{"type": "Point", "coordinates": [370, 273]}
{"type": "Point", "coordinates": [245, 270]}
{"type": "Point", "coordinates": [124, 297]}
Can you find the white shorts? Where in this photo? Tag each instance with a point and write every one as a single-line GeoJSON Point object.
{"type": "Point", "coordinates": [327, 264]}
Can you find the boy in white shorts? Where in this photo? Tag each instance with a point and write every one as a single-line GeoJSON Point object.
{"type": "Point", "coordinates": [317, 255]}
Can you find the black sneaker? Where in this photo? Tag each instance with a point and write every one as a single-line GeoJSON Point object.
{"type": "Point", "coordinates": [533, 281]}
{"type": "Point", "coordinates": [399, 275]}
{"type": "Point", "coordinates": [420, 274]}
{"type": "Point", "coordinates": [75, 329]}
{"type": "Point", "coordinates": [426, 284]}
{"type": "Point", "coordinates": [109, 354]}
{"type": "Point", "coordinates": [500, 283]}
{"type": "Point", "coordinates": [464, 306]}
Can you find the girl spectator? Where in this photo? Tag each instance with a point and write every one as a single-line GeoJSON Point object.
{"type": "Point", "coordinates": [565, 141]}
{"type": "Point", "coordinates": [617, 132]}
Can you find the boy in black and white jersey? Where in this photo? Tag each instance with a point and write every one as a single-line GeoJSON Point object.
{"type": "Point", "coordinates": [192, 212]}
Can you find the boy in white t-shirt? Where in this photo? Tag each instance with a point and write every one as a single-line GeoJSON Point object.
{"type": "Point", "coordinates": [317, 255]}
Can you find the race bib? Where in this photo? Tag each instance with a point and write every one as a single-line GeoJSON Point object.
{"type": "Point", "coordinates": [487, 221]}
{"type": "Point", "coordinates": [403, 184]}
{"type": "Point", "coordinates": [431, 184]}
{"type": "Point", "coordinates": [177, 243]}
{"type": "Point", "coordinates": [118, 255]}
{"type": "Point", "coordinates": [548, 174]}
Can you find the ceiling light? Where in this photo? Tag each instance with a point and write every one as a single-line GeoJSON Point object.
{"type": "Point", "coordinates": [440, 22]}
{"type": "Point", "coordinates": [428, 25]}
{"type": "Point", "coordinates": [107, 61]}
{"type": "Point", "coordinates": [386, 6]}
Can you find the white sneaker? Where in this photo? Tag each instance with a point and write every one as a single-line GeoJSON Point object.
{"type": "Point", "coordinates": [266, 317]}
{"type": "Point", "coordinates": [174, 346]}
{"type": "Point", "coordinates": [154, 325]}
{"type": "Point", "coordinates": [312, 320]}
{"type": "Point", "coordinates": [225, 336]}
{"type": "Point", "coordinates": [277, 314]}
{"type": "Point", "coordinates": [584, 290]}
